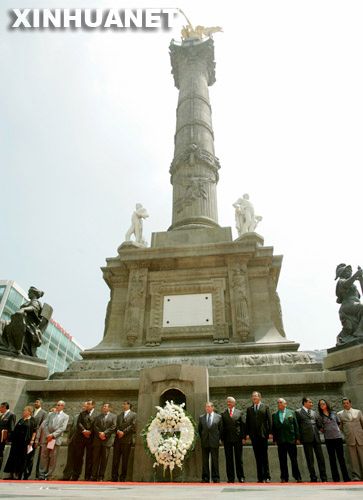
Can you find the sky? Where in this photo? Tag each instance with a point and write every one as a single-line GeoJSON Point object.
{"type": "Point", "coordinates": [87, 120]}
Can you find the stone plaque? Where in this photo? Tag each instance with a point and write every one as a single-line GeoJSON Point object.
{"type": "Point", "coordinates": [194, 309]}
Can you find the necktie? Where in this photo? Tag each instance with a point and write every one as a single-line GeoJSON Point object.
{"type": "Point", "coordinates": [231, 412]}
{"type": "Point", "coordinates": [256, 408]}
{"type": "Point", "coordinates": [309, 413]}
{"type": "Point", "coordinates": [209, 422]}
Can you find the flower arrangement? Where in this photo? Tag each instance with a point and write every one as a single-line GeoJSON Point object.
{"type": "Point", "coordinates": [170, 436]}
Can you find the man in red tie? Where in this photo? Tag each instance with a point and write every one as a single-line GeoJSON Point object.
{"type": "Point", "coordinates": [232, 435]}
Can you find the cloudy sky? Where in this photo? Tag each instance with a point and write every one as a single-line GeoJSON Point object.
{"type": "Point", "coordinates": [87, 120]}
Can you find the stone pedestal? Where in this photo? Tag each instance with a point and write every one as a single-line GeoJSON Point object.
{"type": "Point", "coordinates": [192, 382]}
{"type": "Point", "coordinates": [350, 359]}
{"type": "Point", "coordinates": [14, 373]}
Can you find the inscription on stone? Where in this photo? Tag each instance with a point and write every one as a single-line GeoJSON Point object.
{"type": "Point", "coordinates": [194, 309]}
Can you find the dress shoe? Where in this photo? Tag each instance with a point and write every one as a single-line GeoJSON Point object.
{"type": "Point", "coordinates": [241, 479]}
{"type": "Point", "coordinates": [229, 481]}
{"type": "Point", "coordinates": [267, 480]}
{"type": "Point", "coordinates": [216, 481]}
{"type": "Point", "coordinates": [314, 480]}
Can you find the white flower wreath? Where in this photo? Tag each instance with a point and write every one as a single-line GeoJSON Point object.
{"type": "Point", "coordinates": [170, 435]}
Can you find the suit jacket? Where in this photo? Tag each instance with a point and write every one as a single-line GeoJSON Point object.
{"type": "Point", "coordinates": [106, 425]}
{"type": "Point", "coordinates": [127, 425]}
{"type": "Point", "coordinates": [55, 424]}
{"type": "Point", "coordinates": [259, 423]}
{"type": "Point", "coordinates": [352, 426]}
{"type": "Point", "coordinates": [85, 422]}
{"type": "Point", "coordinates": [233, 428]}
{"type": "Point", "coordinates": [40, 417]}
{"type": "Point", "coordinates": [288, 430]}
{"type": "Point", "coordinates": [7, 424]}
{"type": "Point", "coordinates": [308, 431]}
{"type": "Point", "coordinates": [210, 436]}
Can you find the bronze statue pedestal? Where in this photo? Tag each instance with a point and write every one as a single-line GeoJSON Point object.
{"type": "Point", "coordinates": [350, 359]}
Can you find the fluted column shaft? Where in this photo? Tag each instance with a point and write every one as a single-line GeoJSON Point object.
{"type": "Point", "coordinates": [194, 169]}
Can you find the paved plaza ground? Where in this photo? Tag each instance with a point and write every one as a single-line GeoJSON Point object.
{"type": "Point", "coordinates": [275, 491]}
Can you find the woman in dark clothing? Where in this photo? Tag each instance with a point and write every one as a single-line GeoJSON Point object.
{"type": "Point", "coordinates": [333, 440]}
{"type": "Point", "coordinates": [22, 438]}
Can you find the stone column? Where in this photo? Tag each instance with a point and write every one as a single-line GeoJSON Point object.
{"type": "Point", "coordinates": [194, 169]}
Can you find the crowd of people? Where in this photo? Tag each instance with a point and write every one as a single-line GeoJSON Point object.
{"type": "Point", "coordinates": [91, 436]}
{"type": "Point", "coordinates": [286, 428]}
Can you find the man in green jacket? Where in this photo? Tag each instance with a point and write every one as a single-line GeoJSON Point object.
{"type": "Point", "coordinates": [285, 431]}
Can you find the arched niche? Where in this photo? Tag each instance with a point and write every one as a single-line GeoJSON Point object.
{"type": "Point", "coordinates": [173, 394]}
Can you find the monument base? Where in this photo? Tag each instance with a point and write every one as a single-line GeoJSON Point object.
{"type": "Point", "coordinates": [350, 359]}
{"type": "Point", "coordinates": [14, 373]}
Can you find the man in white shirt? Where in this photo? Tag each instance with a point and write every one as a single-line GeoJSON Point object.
{"type": "Point", "coordinates": [351, 423]}
{"type": "Point", "coordinates": [210, 431]}
{"type": "Point", "coordinates": [83, 438]}
{"type": "Point", "coordinates": [125, 430]}
{"type": "Point", "coordinates": [104, 426]}
{"type": "Point", "coordinates": [233, 434]}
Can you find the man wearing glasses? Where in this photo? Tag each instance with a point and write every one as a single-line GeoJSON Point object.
{"type": "Point", "coordinates": [49, 437]}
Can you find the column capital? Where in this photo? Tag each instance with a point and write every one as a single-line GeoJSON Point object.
{"type": "Point", "coordinates": [189, 52]}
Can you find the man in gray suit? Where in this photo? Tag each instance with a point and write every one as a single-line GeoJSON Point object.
{"type": "Point", "coordinates": [351, 423]}
{"type": "Point", "coordinates": [210, 432]}
{"type": "Point", "coordinates": [309, 425]}
{"type": "Point", "coordinates": [49, 436]}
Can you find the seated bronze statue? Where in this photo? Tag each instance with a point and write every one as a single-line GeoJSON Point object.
{"type": "Point", "coordinates": [23, 334]}
{"type": "Point", "coordinates": [351, 309]}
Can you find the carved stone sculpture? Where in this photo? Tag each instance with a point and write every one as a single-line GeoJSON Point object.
{"type": "Point", "coordinates": [23, 334]}
{"type": "Point", "coordinates": [351, 310]}
{"type": "Point", "coordinates": [246, 220]}
{"type": "Point", "coordinates": [135, 229]}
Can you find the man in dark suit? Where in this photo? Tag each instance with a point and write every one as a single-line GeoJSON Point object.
{"type": "Point", "coordinates": [68, 471]}
{"type": "Point", "coordinates": [258, 428]}
{"type": "Point", "coordinates": [39, 416]}
{"type": "Point", "coordinates": [232, 435]}
{"type": "Point", "coordinates": [285, 431]}
{"type": "Point", "coordinates": [82, 440]}
{"type": "Point", "coordinates": [104, 426]}
{"type": "Point", "coordinates": [7, 424]}
{"type": "Point", "coordinates": [309, 425]}
{"type": "Point", "coordinates": [125, 430]}
{"type": "Point", "coordinates": [210, 429]}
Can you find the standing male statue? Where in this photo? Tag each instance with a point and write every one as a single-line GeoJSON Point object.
{"type": "Point", "coordinates": [136, 224]}
{"type": "Point", "coordinates": [351, 310]}
{"type": "Point", "coordinates": [246, 220]}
